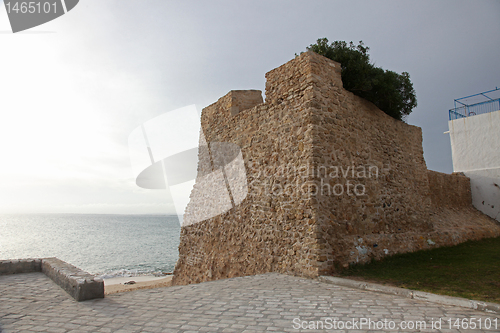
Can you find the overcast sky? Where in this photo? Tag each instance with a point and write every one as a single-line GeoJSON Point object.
{"type": "Point", "coordinates": [73, 89]}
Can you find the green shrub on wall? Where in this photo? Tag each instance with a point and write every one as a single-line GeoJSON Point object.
{"type": "Point", "coordinates": [391, 92]}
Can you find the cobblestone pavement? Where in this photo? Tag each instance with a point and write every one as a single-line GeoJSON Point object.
{"type": "Point", "coordinates": [269, 302]}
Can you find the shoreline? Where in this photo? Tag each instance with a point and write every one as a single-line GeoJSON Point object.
{"type": "Point", "coordinates": [119, 284]}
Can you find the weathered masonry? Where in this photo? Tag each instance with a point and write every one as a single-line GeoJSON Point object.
{"type": "Point", "coordinates": [332, 180]}
{"type": "Point", "coordinates": [78, 284]}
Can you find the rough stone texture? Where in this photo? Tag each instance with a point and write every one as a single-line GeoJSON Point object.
{"type": "Point", "coordinates": [332, 180]}
{"type": "Point", "coordinates": [79, 284]}
{"type": "Point", "coordinates": [264, 233]}
{"type": "Point", "coordinates": [387, 158]}
{"type": "Point", "coordinates": [454, 220]}
{"type": "Point", "coordinates": [76, 282]}
{"type": "Point", "coordinates": [20, 266]}
{"type": "Point", "coordinates": [240, 100]}
{"type": "Point", "coordinates": [449, 190]}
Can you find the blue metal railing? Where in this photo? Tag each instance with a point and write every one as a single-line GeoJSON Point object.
{"type": "Point", "coordinates": [467, 110]}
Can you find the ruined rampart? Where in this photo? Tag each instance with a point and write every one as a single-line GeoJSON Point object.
{"type": "Point", "coordinates": [331, 180]}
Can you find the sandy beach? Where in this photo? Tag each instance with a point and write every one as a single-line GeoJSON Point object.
{"type": "Point", "coordinates": [122, 284]}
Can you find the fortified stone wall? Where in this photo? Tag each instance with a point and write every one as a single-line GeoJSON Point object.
{"type": "Point", "coordinates": [371, 174]}
{"type": "Point", "coordinates": [265, 233]}
{"type": "Point", "coordinates": [332, 180]}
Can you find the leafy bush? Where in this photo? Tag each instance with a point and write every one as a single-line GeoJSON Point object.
{"type": "Point", "coordinates": [391, 92]}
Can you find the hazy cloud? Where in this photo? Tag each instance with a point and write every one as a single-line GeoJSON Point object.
{"type": "Point", "coordinates": [69, 99]}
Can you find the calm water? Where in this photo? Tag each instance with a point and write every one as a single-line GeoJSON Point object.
{"type": "Point", "coordinates": [106, 245]}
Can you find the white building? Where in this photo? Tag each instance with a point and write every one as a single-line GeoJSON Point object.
{"type": "Point", "coordinates": [475, 145]}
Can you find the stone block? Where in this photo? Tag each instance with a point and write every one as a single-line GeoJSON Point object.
{"type": "Point", "coordinates": [79, 284]}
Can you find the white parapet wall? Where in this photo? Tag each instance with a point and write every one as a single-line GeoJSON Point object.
{"type": "Point", "coordinates": [475, 147]}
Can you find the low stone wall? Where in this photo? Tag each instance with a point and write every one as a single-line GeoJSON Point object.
{"type": "Point", "coordinates": [20, 266]}
{"type": "Point", "coordinates": [449, 190]}
{"type": "Point", "coordinates": [453, 218]}
{"type": "Point", "coordinates": [79, 284]}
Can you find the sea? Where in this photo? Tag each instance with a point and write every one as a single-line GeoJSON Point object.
{"type": "Point", "coordinates": [105, 245]}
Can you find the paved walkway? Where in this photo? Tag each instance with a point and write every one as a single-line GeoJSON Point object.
{"type": "Point", "coordinates": [270, 302]}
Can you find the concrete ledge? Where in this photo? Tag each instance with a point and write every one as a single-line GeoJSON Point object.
{"type": "Point", "coordinates": [413, 294]}
{"type": "Point", "coordinates": [79, 284]}
{"type": "Point", "coordinates": [20, 266]}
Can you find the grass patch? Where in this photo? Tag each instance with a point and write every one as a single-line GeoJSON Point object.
{"type": "Point", "coordinates": [470, 270]}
